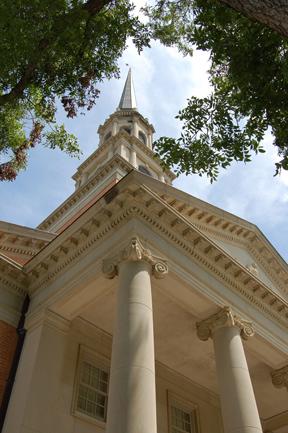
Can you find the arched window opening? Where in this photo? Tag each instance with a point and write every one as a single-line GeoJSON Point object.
{"type": "Point", "coordinates": [142, 137]}
{"type": "Point", "coordinates": [107, 136]}
{"type": "Point", "coordinates": [126, 128]}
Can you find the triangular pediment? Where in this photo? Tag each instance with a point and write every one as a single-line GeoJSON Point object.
{"type": "Point", "coordinates": [160, 208]}
{"type": "Point", "coordinates": [238, 238]}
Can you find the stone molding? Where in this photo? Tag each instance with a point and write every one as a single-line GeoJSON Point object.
{"type": "Point", "coordinates": [231, 229]}
{"type": "Point", "coordinates": [12, 277]}
{"type": "Point", "coordinates": [223, 318]}
{"type": "Point", "coordinates": [49, 318]}
{"type": "Point", "coordinates": [137, 201]}
{"type": "Point", "coordinates": [134, 252]}
{"type": "Point", "coordinates": [280, 377]}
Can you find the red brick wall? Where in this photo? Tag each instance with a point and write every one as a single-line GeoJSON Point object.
{"type": "Point", "coordinates": [8, 341]}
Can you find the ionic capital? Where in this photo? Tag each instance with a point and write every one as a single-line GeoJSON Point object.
{"type": "Point", "coordinates": [223, 318]}
{"type": "Point", "coordinates": [280, 377]}
{"type": "Point", "coordinates": [134, 251]}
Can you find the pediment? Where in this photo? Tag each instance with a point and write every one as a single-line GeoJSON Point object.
{"type": "Point", "coordinates": [148, 203]}
{"type": "Point", "coordinates": [238, 238]}
{"type": "Point", "coordinates": [241, 254]}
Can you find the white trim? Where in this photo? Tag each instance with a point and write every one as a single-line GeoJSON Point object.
{"type": "Point", "coordinates": [89, 356]}
{"type": "Point", "coordinates": [186, 406]}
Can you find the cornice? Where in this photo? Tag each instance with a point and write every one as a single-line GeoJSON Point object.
{"type": "Point", "coordinates": [22, 241]}
{"type": "Point", "coordinates": [28, 252]}
{"type": "Point", "coordinates": [15, 232]}
{"type": "Point", "coordinates": [231, 228]}
{"type": "Point", "coordinates": [125, 113]}
{"type": "Point", "coordinates": [271, 271]}
{"type": "Point", "coordinates": [12, 277]}
{"type": "Point", "coordinates": [135, 201]}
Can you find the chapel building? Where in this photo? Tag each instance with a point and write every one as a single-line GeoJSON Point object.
{"type": "Point", "coordinates": [137, 308]}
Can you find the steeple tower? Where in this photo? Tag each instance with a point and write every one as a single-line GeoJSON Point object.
{"type": "Point", "coordinates": [126, 137]}
{"type": "Point", "coordinates": [128, 98]}
{"type": "Point", "coordinates": [125, 144]}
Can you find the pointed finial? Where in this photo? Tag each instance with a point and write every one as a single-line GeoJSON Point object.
{"type": "Point", "coordinates": [128, 98]}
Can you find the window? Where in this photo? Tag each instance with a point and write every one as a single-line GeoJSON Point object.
{"type": "Point", "coordinates": [126, 128]}
{"type": "Point", "coordinates": [144, 170]}
{"type": "Point", "coordinates": [183, 417]}
{"type": "Point", "coordinates": [107, 136]}
{"type": "Point", "coordinates": [142, 137]}
{"type": "Point", "coordinates": [91, 393]}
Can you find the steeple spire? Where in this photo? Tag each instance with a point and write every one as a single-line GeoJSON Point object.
{"type": "Point", "coordinates": [128, 98]}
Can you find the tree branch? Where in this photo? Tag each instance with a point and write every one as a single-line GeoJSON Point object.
{"type": "Point", "coordinates": [272, 13]}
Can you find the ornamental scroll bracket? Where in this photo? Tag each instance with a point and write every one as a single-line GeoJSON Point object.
{"type": "Point", "coordinates": [280, 377]}
{"type": "Point", "coordinates": [134, 251]}
{"type": "Point", "coordinates": [223, 318]}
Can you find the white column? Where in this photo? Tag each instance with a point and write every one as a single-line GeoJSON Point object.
{"type": "Point", "coordinates": [132, 397]}
{"type": "Point", "coordinates": [133, 157]}
{"type": "Point", "coordinates": [135, 128]}
{"type": "Point", "coordinates": [114, 127]}
{"type": "Point", "coordinates": [238, 404]}
{"type": "Point", "coordinates": [150, 140]}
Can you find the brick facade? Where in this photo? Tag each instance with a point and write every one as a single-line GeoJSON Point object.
{"type": "Point", "coordinates": [8, 341]}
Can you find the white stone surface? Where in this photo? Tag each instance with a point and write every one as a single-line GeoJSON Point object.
{"type": "Point", "coordinates": [132, 401]}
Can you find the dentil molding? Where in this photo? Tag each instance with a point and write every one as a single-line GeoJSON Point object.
{"type": "Point", "coordinates": [134, 251]}
{"type": "Point", "coordinates": [223, 318]}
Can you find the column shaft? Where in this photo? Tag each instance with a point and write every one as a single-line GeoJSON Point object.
{"type": "Point", "coordinates": [238, 405]}
{"type": "Point", "coordinates": [132, 400]}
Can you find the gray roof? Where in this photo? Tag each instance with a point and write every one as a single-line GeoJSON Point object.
{"type": "Point", "coordinates": [128, 98]}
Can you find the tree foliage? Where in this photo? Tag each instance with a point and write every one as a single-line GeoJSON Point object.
{"type": "Point", "coordinates": [249, 82]}
{"type": "Point", "coordinates": [56, 51]}
{"type": "Point", "coordinates": [50, 51]}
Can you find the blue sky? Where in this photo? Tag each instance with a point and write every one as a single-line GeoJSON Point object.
{"type": "Point", "coordinates": [163, 81]}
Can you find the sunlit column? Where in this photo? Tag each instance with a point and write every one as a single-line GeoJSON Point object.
{"type": "Point", "coordinates": [132, 398]}
{"type": "Point", "coordinates": [238, 405]}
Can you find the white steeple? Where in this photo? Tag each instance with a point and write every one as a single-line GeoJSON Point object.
{"type": "Point", "coordinates": [128, 98]}
{"type": "Point", "coordinates": [126, 139]}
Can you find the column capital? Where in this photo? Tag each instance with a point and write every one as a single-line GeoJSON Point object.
{"type": "Point", "coordinates": [223, 318]}
{"type": "Point", "coordinates": [134, 252]}
{"type": "Point", "coordinates": [280, 377]}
